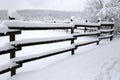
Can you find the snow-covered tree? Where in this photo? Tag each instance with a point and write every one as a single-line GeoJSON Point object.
{"type": "Point", "coordinates": [93, 7]}
{"type": "Point", "coordinates": [105, 9]}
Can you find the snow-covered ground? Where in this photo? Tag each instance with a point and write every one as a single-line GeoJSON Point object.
{"type": "Point", "coordinates": [91, 62]}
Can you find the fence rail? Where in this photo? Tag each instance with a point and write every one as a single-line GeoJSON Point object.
{"type": "Point", "coordinates": [15, 45]}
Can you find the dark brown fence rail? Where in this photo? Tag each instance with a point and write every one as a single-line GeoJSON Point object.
{"type": "Point", "coordinates": [15, 45]}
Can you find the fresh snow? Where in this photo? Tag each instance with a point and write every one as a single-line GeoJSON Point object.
{"type": "Point", "coordinates": [106, 30]}
{"type": "Point", "coordinates": [107, 22]}
{"type": "Point", "coordinates": [25, 41]}
{"type": "Point", "coordinates": [6, 47]}
{"type": "Point", "coordinates": [62, 21]}
{"type": "Point", "coordinates": [100, 63]}
{"type": "Point", "coordinates": [87, 24]}
{"type": "Point", "coordinates": [7, 66]}
{"type": "Point", "coordinates": [106, 35]}
{"type": "Point", "coordinates": [18, 23]}
{"type": "Point", "coordinates": [17, 59]}
{"type": "Point", "coordinates": [110, 70]}
{"type": "Point", "coordinates": [95, 63]}
{"type": "Point", "coordinates": [80, 43]}
{"type": "Point", "coordinates": [86, 33]}
{"type": "Point", "coordinates": [4, 29]}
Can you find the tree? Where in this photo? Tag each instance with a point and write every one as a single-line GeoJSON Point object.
{"type": "Point", "coordinates": [106, 9]}
{"type": "Point", "coordinates": [92, 9]}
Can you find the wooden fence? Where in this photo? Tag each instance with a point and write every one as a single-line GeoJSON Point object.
{"type": "Point", "coordinates": [14, 45]}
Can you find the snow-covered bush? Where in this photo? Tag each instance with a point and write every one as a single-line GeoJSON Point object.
{"type": "Point", "coordinates": [14, 14]}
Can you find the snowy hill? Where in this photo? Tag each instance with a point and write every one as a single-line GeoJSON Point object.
{"type": "Point", "coordinates": [48, 14]}
{"type": "Point", "coordinates": [3, 14]}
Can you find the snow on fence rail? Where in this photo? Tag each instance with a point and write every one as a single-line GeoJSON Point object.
{"type": "Point", "coordinates": [8, 67]}
{"type": "Point", "coordinates": [107, 24]}
{"type": "Point", "coordinates": [101, 26]}
{"type": "Point", "coordinates": [87, 34]}
{"type": "Point", "coordinates": [30, 25]}
{"type": "Point", "coordinates": [14, 45]}
{"type": "Point", "coordinates": [106, 36]}
{"type": "Point", "coordinates": [29, 42]}
{"type": "Point", "coordinates": [106, 31]}
{"type": "Point", "coordinates": [29, 58]}
{"type": "Point", "coordinates": [6, 49]}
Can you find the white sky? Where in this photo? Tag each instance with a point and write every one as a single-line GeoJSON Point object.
{"type": "Point", "coordinates": [66, 5]}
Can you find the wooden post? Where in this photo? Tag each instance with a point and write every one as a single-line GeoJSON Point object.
{"type": "Point", "coordinates": [72, 42]}
{"type": "Point", "coordinates": [99, 27]}
{"type": "Point", "coordinates": [85, 29]}
{"type": "Point", "coordinates": [111, 38]}
{"type": "Point", "coordinates": [97, 42]}
{"type": "Point", "coordinates": [12, 55]}
{"type": "Point", "coordinates": [99, 20]}
{"type": "Point", "coordinates": [111, 26]}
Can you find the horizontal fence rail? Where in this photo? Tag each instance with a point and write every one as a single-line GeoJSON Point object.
{"type": "Point", "coordinates": [16, 45]}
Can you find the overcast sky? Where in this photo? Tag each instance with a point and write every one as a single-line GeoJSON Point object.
{"type": "Point", "coordinates": [66, 5]}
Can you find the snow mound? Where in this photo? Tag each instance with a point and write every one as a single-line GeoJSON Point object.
{"type": "Point", "coordinates": [15, 14]}
{"type": "Point", "coordinates": [3, 28]}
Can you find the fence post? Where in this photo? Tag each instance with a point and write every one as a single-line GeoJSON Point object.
{"type": "Point", "coordinates": [99, 20]}
{"type": "Point", "coordinates": [85, 29]}
{"type": "Point", "coordinates": [72, 42]}
{"type": "Point", "coordinates": [111, 38]}
{"type": "Point", "coordinates": [12, 55]}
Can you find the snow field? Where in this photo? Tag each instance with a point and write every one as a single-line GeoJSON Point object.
{"type": "Point", "coordinates": [98, 63]}
{"type": "Point", "coordinates": [40, 48]}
